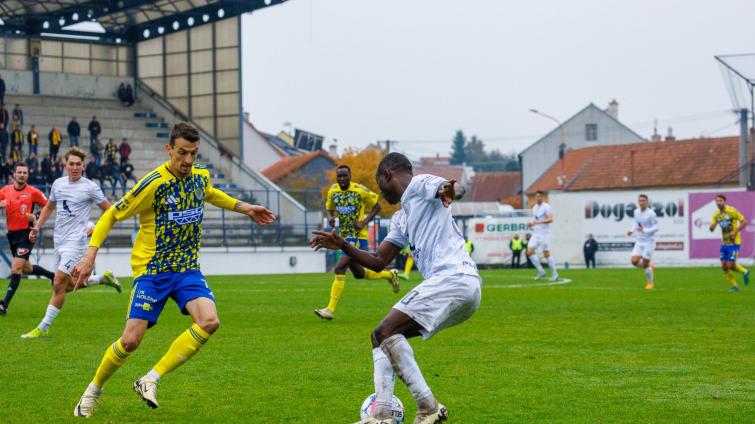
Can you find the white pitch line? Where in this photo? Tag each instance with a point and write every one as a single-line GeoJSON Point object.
{"type": "Point", "coordinates": [522, 286]}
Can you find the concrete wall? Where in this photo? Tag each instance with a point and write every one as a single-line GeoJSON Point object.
{"type": "Point", "coordinates": [540, 156]}
{"type": "Point", "coordinates": [213, 261]}
{"type": "Point", "coordinates": [258, 153]}
{"type": "Point", "coordinates": [64, 85]}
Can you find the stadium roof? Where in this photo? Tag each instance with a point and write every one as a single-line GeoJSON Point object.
{"type": "Point", "coordinates": [681, 163]}
{"type": "Point", "coordinates": [121, 20]}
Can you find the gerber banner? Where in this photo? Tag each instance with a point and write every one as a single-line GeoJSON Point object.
{"type": "Point", "coordinates": [491, 238]}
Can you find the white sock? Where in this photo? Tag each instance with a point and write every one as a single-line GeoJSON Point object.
{"type": "Point", "coordinates": [384, 383]}
{"type": "Point", "coordinates": [399, 351]}
{"type": "Point", "coordinates": [50, 315]}
{"type": "Point", "coordinates": [94, 388]}
{"type": "Point", "coordinates": [649, 274]}
{"type": "Point", "coordinates": [552, 265]}
{"type": "Point", "coordinates": [94, 280]}
{"type": "Point", "coordinates": [536, 261]}
{"type": "Point", "coordinates": [152, 373]}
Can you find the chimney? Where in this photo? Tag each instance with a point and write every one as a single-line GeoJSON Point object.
{"type": "Point", "coordinates": [613, 109]}
{"type": "Point", "coordinates": [670, 136]}
{"type": "Point", "coordinates": [333, 149]}
{"type": "Point", "coordinates": [656, 136]}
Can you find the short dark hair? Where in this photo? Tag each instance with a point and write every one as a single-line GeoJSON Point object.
{"type": "Point", "coordinates": [540, 192]}
{"type": "Point", "coordinates": [721, 196]}
{"type": "Point", "coordinates": [75, 151]}
{"type": "Point", "coordinates": [346, 167]}
{"type": "Point", "coordinates": [643, 196]}
{"type": "Point", "coordinates": [185, 131]}
{"type": "Point", "coordinates": [394, 162]}
{"type": "Point", "coordinates": [20, 163]}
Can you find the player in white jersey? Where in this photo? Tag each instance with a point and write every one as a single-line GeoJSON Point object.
{"type": "Point", "coordinates": [644, 228]}
{"type": "Point", "coordinates": [541, 235]}
{"type": "Point", "coordinates": [449, 294]}
{"type": "Point", "coordinates": [76, 196]}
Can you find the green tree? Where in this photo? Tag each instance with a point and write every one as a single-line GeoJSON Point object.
{"type": "Point", "coordinates": [458, 154]}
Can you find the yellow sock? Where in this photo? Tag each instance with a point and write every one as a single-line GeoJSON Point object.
{"type": "Point", "coordinates": [335, 291]}
{"type": "Point", "coordinates": [115, 356]}
{"type": "Point", "coordinates": [182, 349]}
{"type": "Point", "coordinates": [740, 269]}
{"type": "Point", "coordinates": [409, 265]}
{"type": "Point", "coordinates": [730, 278]}
{"type": "Point", "coordinates": [372, 275]}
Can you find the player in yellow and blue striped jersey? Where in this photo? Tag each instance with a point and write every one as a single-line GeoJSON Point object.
{"type": "Point", "coordinates": [732, 222]}
{"type": "Point", "coordinates": [165, 261]}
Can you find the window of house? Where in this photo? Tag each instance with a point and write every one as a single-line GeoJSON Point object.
{"type": "Point", "coordinates": [591, 132]}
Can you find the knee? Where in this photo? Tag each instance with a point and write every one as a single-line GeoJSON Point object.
{"type": "Point", "coordinates": [59, 285]}
{"type": "Point", "coordinates": [131, 340]}
{"type": "Point", "coordinates": [379, 334]}
{"type": "Point", "coordinates": [210, 325]}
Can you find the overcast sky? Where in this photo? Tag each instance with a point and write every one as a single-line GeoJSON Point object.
{"type": "Point", "coordinates": [417, 70]}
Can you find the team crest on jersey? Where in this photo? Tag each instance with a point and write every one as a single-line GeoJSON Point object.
{"type": "Point", "coordinates": [188, 216]}
{"type": "Point", "coordinates": [199, 193]}
{"type": "Point", "coordinates": [21, 251]}
{"type": "Point", "coordinates": [122, 204]}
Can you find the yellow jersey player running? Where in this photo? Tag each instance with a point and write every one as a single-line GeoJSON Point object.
{"type": "Point", "coordinates": [349, 202]}
{"type": "Point", "coordinates": [732, 222]}
{"type": "Point", "coordinates": [165, 262]}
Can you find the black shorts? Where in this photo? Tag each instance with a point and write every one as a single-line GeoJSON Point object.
{"type": "Point", "coordinates": [20, 245]}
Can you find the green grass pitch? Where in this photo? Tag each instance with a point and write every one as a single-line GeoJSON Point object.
{"type": "Point", "coordinates": [600, 349]}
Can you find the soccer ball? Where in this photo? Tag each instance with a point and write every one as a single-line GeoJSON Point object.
{"type": "Point", "coordinates": [397, 408]}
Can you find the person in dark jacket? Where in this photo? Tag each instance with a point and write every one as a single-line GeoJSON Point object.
{"type": "Point", "coordinates": [94, 130]}
{"type": "Point", "coordinates": [18, 114]}
{"type": "Point", "coordinates": [589, 249]}
{"type": "Point", "coordinates": [2, 90]}
{"type": "Point", "coordinates": [74, 132]}
{"type": "Point", "coordinates": [125, 150]}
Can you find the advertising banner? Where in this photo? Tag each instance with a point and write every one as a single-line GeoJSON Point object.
{"type": "Point", "coordinates": [705, 244]}
{"type": "Point", "coordinates": [491, 238]}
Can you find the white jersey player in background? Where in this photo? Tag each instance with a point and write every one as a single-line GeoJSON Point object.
{"type": "Point", "coordinates": [644, 228]}
{"type": "Point", "coordinates": [76, 196]}
{"type": "Point", "coordinates": [542, 218]}
{"type": "Point", "coordinates": [449, 294]}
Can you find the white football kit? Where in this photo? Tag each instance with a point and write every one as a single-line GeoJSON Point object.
{"type": "Point", "coordinates": [74, 202]}
{"type": "Point", "coordinates": [450, 292]}
{"type": "Point", "coordinates": [644, 245]}
{"type": "Point", "coordinates": [541, 233]}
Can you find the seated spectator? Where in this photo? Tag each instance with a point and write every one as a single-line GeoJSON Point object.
{"type": "Point", "coordinates": [122, 93]}
{"type": "Point", "coordinates": [33, 175]}
{"type": "Point", "coordinates": [111, 151]}
{"type": "Point", "coordinates": [4, 171]}
{"type": "Point", "coordinates": [127, 173]}
{"type": "Point", "coordinates": [47, 171]}
{"type": "Point", "coordinates": [32, 161]}
{"type": "Point", "coordinates": [18, 115]}
{"type": "Point", "coordinates": [92, 171]}
{"type": "Point", "coordinates": [125, 150]}
{"type": "Point", "coordinates": [41, 179]}
{"type": "Point", "coordinates": [58, 169]}
{"type": "Point", "coordinates": [17, 138]}
{"type": "Point", "coordinates": [129, 95]}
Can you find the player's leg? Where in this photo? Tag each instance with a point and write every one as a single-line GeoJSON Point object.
{"type": "Point", "coordinates": [15, 281]}
{"type": "Point", "coordinates": [37, 270]}
{"type": "Point", "coordinates": [551, 263]}
{"type": "Point", "coordinates": [60, 286]}
{"type": "Point", "coordinates": [736, 267]}
{"type": "Point", "coordinates": [193, 297]}
{"type": "Point", "coordinates": [390, 276]}
{"type": "Point", "coordinates": [408, 266]}
{"type": "Point", "coordinates": [727, 257]}
{"type": "Point", "coordinates": [115, 356]}
{"type": "Point", "coordinates": [532, 255]}
{"type": "Point", "coordinates": [649, 272]}
{"type": "Point", "coordinates": [336, 288]}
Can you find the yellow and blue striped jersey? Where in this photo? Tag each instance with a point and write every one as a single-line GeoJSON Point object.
{"type": "Point", "coordinates": [727, 219]}
{"type": "Point", "coordinates": [351, 205]}
{"type": "Point", "coordinates": [170, 211]}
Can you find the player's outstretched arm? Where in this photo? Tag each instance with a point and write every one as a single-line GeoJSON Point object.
{"type": "Point", "coordinates": [450, 191]}
{"type": "Point", "coordinates": [44, 215]}
{"type": "Point", "coordinates": [259, 214]}
{"type": "Point", "coordinates": [378, 262]}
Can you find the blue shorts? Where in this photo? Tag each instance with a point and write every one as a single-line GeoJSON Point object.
{"type": "Point", "coordinates": [151, 291]}
{"type": "Point", "coordinates": [361, 244]}
{"type": "Point", "coordinates": [729, 252]}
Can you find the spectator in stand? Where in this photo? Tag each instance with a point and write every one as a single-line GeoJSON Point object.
{"type": "Point", "coordinates": [33, 178]}
{"type": "Point", "coordinates": [74, 132]}
{"type": "Point", "coordinates": [33, 139]}
{"type": "Point", "coordinates": [106, 175]}
{"type": "Point", "coordinates": [18, 115]}
{"type": "Point", "coordinates": [94, 130]}
{"type": "Point", "coordinates": [127, 173]}
{"type": "Point", "coordinates": [527, 238]}
{"type": "Point", "coordinates": [17, 137]}
{"type": "Point", "coordinates": [4, 171]}
{"type": "Point", "coordinates": [125, 150]}
{"type": "Point", "coordinates": [516, 245]}
{"type": "Point", "coordinates": [589, 249]}
{"type": "Point", "coordinates": [122, 93]}
{"type": "Point", "coordinates": [92, 172]}
{"type": "Point", "coordinates": [129, 95]}
{"type": "Point", "coordinates": [32, 161]}
{"type": "Point", "coordinates": [3, 142]}
{"type": "Point", "coordinates": [16, 155]}
{"type": "Point", "coordinates": [55, 138]}
{"type": "Point", "coordinates": [111, 151]}
{"type": "Point", "coordinates": [46, 171]}
{"type": "Point", "coordinates": [60, 166]}
{"type": "Point", "coordinates": [2, 90]}
{"type": "Point", "coordinates": [4, 127]}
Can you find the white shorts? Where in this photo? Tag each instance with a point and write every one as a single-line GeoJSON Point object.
{"type": "Point", "coordinates": [541, 241]}
{"type": "Point", "coordinates": [65, 260]}
{"type": "Point", "coordinates": [441, 302]}
{"type": "Point", "coordinates": [644, 249]}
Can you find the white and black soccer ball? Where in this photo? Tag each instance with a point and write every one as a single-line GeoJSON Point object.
{"type": "Point", "coordinates": [397, 408]}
